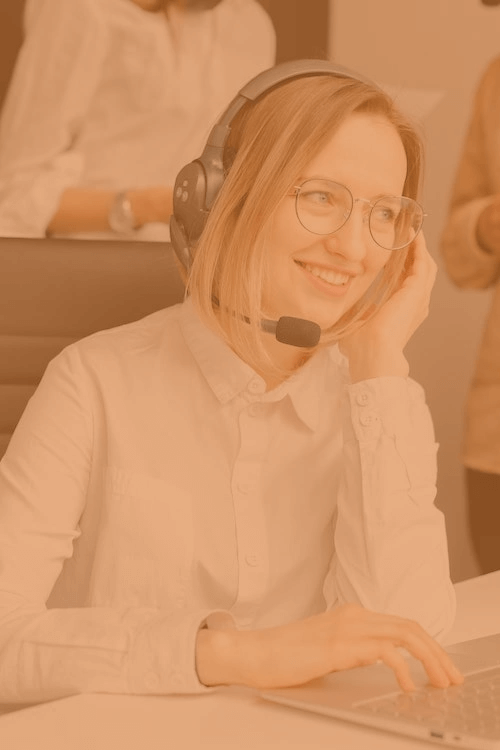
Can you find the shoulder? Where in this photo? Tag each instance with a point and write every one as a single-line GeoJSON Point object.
{"type": "Point", "coordinates": [248, 22]}
{"type": "Point", "coordinates": [248, 10]}
{"type": "Point", "coordinates": [127, 348]}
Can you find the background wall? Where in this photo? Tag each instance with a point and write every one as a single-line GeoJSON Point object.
{"type": "Point", "coordinates": [442, 45]}
{"type": "Point", "coordinates": [299, 32]}
{"type": "Point", "coordinates": [10, 39]}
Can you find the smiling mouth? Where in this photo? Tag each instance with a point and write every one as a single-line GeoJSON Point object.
{"type": "Point", "coordinates": [331, 277]}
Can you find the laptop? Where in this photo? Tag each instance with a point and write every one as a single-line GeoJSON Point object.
{"type": "Point", "coordinates": [466, 716]}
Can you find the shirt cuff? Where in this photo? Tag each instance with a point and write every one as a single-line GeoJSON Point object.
{"type": "Point", "coordinates": [162, 657]}
{"type": "Point", "coordinates": [384, 405]}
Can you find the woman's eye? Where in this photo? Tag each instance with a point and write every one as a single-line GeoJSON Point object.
{"type": "Point", "coordinates": [319, 198]}
{"type": "Point", "coordinates": [385, 214]}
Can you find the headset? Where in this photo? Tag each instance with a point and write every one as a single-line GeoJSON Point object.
{"type": "Point", "coordinates": [198, 183]}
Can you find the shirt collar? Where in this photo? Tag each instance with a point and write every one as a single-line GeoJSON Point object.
{"type": "Point", "coordinates": [228, 375]}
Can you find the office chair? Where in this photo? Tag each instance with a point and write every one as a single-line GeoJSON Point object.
{"type": "Point", "coordinates": [53, 292]}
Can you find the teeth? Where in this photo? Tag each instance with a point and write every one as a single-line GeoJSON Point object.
{"type": "Point", "coordinates": [338, 279]}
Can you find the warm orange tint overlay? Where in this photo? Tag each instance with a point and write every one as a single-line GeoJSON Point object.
{"type": "Point", "coordinates": [251, 520]}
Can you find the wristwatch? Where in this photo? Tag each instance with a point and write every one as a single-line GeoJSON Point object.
{"type": "Point", "coordinates": [121, 217]}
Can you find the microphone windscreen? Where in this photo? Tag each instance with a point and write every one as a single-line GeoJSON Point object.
{"type": "Point", "coordinates": [297, 332]}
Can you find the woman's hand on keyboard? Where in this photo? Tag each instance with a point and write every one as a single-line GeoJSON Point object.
{"type": "Point", "coordinates": [349, 636]}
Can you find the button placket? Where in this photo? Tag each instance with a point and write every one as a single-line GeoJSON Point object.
{"type": "Point", "coordinates": [251, 535]}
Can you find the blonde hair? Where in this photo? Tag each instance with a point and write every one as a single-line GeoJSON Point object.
{"type": "Point", "coordinates": [271, 142]}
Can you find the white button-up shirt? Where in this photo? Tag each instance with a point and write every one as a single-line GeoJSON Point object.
{"type": "Point", "coordinates": [103, 97]}
{"type": "Point", "coordinates": [153, 485]}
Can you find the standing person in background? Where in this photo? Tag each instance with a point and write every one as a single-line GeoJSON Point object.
{"type": "Point", "coordinates": [471, 250]}
{"type": "Point", "coordinates": [109, 98]}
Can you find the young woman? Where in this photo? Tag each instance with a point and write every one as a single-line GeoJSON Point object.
{"type": "Point", "coordinates": [199, 503]}
{"type": "Point", "coordinates": [108, 100]}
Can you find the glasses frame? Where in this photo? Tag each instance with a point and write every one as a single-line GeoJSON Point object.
{"type": "Point", "coordinates": [298, 188]}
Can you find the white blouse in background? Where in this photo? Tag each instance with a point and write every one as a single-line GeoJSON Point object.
{"type": "Point", "coordinates": [152, 485]}
{"type": "Point", "coordinates": [104, 97]}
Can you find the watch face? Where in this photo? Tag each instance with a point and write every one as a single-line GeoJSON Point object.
{"type": "Point", "coordinates": [121, 218]}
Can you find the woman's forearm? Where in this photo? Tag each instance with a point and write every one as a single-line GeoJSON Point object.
{"type": "Point", "coordinates": [87, 209]}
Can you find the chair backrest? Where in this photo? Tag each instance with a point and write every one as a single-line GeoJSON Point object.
{"type": "Point", "coordinates": [53, 292]}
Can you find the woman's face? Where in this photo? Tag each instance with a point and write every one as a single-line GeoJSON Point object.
{"type": "Point", "coordinates": [367, 156]}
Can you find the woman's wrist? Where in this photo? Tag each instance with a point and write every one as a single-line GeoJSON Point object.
{"type": "Point", "coordinates": [221, 656]}
{"type": "Point", "coordinates": [377, 362]}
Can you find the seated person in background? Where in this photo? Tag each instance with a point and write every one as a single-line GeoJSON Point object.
{"type": "Point", "coordinates": [471, 251]}
{"type": "Point", "coordinates": [109, 98]}
{"type": "Point", "coordinates": [203, 503]}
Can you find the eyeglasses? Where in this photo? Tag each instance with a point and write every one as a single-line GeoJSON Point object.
{"type": "Point", "coordinates": [323, 207]}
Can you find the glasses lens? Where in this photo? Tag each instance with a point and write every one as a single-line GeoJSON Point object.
{"type": "Point", "coordinates": [323, 206]}
{"type": "Point", "coordinates": [395, 221]}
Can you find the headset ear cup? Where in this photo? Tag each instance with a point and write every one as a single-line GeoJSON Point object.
{"type": "Point", "coordinates": [189, 199]}
{"type": "Point", "coordinates": [195, 189]}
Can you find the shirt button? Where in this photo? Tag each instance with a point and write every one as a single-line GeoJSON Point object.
{"type": "Point", "coordinates": [368, 419]}
{"type": "Point", "coordinates": [362, 399]}
{"type": "Point", "coordinates": [252, 560]}
{"type": "Point", "coordinates": [255, 386]}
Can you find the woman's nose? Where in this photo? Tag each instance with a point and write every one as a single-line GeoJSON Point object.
{"type": "Point", "coordinates": [353, 237]}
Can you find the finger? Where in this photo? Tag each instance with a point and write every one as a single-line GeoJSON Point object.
{"type": "Point", "coordinates": [436, 661]}
{"type": "Point", "coordinates": [423, 262]}
{"type": "Point", "coordinates": [444, 657]}
{"type": "Point", "coordinates": [395, 661]}
{"type": "Point", "coordinates": [411, 636]}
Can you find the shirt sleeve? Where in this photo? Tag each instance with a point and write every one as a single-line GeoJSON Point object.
{"type": "Point", "coordinates": [391, 552]}
{"type": "Point", "coordinates": [46, 653]}
{"type": "Point", "coordinates": [467, 263]}
{"type": "Point", "coordinates": [56, 74]}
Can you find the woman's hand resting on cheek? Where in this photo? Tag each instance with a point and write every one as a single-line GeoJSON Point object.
{"type": "Point", "coordinates": [349, 636]}
{"type": "Point", "coordinates": [376, 349]}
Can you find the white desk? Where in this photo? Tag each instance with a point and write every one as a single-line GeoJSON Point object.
{"type": "Point", "coordinates": [230, 718]}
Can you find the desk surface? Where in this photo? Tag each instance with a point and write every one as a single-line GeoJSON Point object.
{"type": "Point", "coordinates": [230, 718]}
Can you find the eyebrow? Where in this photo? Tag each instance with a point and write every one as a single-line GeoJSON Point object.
{"type": "Point", "coordinates": [303, 178]}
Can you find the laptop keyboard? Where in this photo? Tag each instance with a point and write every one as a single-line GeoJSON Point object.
{"type": "Point", "coordinates": [471, 708]}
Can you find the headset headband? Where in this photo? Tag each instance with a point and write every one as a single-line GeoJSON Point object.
{"type": "Point", "coordinates": [199, 182]}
